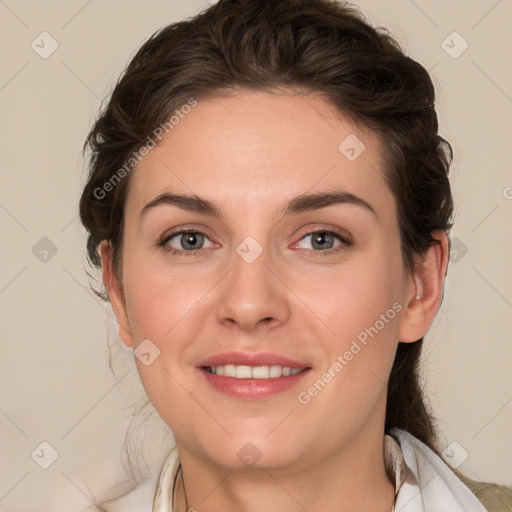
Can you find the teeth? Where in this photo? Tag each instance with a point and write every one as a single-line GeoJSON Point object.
{"type": "Point", "coordinates": [260, 372]}
{"type": "Point", "coordinates": [243, 372]}
{"type": "Point", "coordinates": [254, 372]}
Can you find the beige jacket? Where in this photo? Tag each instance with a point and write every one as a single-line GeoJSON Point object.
{"type": "Point", "coordinates": [494, 497]}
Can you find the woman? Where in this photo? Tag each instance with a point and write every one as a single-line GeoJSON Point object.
{"type": "Point", "coordinates": [269, 202]}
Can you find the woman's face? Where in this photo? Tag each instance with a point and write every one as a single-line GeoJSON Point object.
{"type": "Point", "coordinates": [267, 277]}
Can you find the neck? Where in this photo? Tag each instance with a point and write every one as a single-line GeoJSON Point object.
{"type": "Point", "coordinates": [352, 479]}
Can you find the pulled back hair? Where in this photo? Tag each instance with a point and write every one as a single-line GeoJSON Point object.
{"type": "Point", "coordinates": [319, 46]}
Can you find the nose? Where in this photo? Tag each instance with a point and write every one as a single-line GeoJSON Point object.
{"type": "Point", "coordinates": [253, 295]}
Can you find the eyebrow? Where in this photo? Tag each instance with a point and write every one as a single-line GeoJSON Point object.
{"type": "Point", "coordinates": [299, 204]}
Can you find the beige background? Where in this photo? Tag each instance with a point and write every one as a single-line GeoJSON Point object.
{"type": "Point", "coordinates": [56, 385]}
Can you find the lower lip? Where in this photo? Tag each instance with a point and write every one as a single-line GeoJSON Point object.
{"type": "Point", "coordinates": [252, 389]}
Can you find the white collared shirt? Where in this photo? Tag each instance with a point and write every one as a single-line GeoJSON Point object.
{"type": "Point", "coordinates": [423, 481]}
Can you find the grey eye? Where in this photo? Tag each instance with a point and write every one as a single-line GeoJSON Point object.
{"type": "Point", "coordinates": [321, 240]}
{"type": "Point", "coordinates": [188, 241]}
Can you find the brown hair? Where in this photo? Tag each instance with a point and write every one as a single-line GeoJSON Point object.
{"type": "Point", "coordinates": [318, 46]}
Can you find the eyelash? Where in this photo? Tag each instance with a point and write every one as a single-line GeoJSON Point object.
{"type": "Point", "coordinates": [177, 252]}
{"type": "Point", "coordinates": [340, 235]}
{"type": "Point", "coordinates": [346, 242]}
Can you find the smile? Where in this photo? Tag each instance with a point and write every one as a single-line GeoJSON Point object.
{"type": "Point", "coordinates": [253, 382]}
{"type": "Point", "coordinates": [253, 372]}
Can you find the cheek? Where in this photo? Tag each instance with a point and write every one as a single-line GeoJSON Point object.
{"type": "Point", "coordinates": [163, 306]}
{"type": "Point", "coordinates": [159, 300]}
{"type": "Point", "coordinates": [350, 301]}
{"type": "Point", "coordinates": [362, 311]}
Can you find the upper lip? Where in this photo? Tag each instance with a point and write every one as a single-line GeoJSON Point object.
{"type": "Point", "coordinates": [251, 359]}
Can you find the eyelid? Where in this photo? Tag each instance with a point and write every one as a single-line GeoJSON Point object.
{"type": "Point", "coordinates": [343, 236]}
{"type": "Point", "coordinates": [163, 241]}
{"type": "Point", "coordinates": [184, 229]}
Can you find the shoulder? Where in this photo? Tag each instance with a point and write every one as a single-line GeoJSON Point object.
{"type": "Point", "coordinates": [105, 487]}
{"type": "Point", "coordinates": [450, 485]}
{"type": "Point", "coordinates": [494, 497]}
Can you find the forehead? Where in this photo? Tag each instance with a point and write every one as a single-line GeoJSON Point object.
{"type": "Point", "coordinates": [257, 147]}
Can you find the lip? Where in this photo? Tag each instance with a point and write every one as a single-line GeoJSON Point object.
{"type": "Point", "coordinates": [252, 389]}
{"type": "Point", "coordinates": [252, 359]}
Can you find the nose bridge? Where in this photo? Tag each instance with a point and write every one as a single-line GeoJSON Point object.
{"type": "Point", "coordinates": [251, 293]}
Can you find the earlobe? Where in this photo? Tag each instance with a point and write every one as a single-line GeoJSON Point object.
{"type": "Point", "coordinates": [115, 293]}
{"type": "Point", "coordinates": [425, 291]}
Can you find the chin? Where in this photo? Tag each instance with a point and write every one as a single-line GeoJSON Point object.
{"type": "Point", "coordinates": [261, 451]}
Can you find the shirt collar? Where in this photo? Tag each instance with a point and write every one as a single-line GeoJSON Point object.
{"type": "Point", "coordinates": [394, 462]}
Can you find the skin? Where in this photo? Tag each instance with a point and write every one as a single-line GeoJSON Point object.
{"type": "Point", "coordinates": [250, 153]}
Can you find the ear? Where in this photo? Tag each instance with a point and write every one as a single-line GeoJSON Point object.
{"type": "Point", "coordinates": [425, 291]}
{"type": "Point", "coordinates": [115, 292]}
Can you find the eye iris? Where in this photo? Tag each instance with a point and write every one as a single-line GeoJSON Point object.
{"type": "Point", "coordinates": [321, 238]}
{"type": "Point", "coordinates": [190, 240]}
